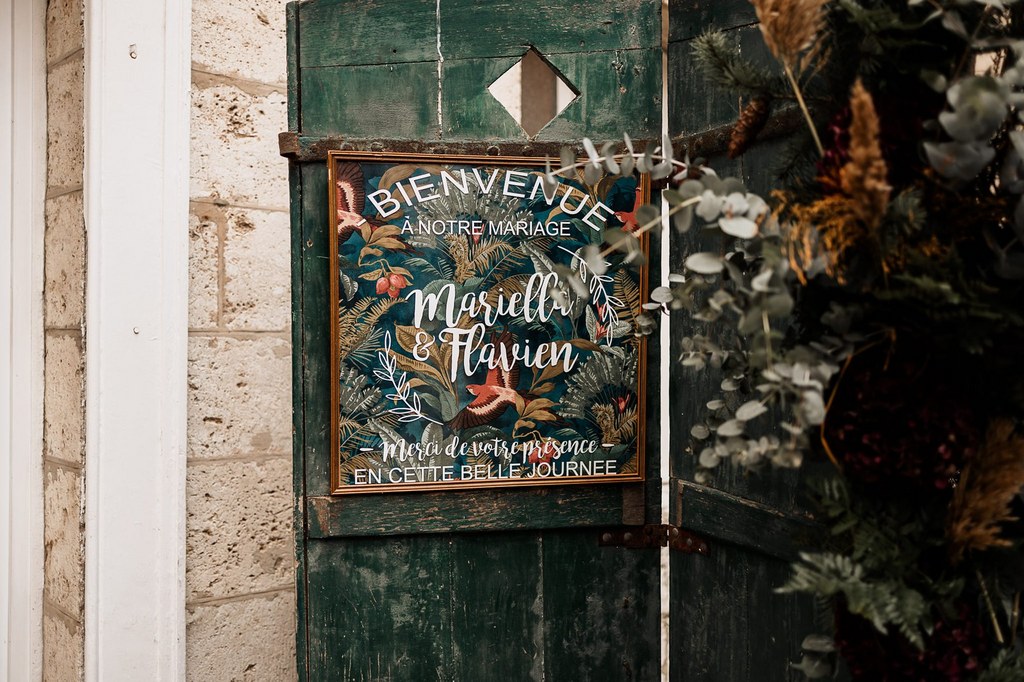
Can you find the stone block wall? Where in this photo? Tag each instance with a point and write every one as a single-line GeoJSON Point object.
{"type": "Point", "coordinates": [240, 559]}
{"type": "Point", "coordinates": [64, 339]}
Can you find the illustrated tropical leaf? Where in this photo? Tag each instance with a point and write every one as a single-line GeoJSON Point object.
{"type": "Point", "coordinates": [424, 264]}
{"type": "Point", "coordinates": [372, 274]}
{"type": "Point", "coordinates": [415, 366]}
{"type": "Point", "coordinates": [585, 344]}
{"type": "Point", "coordinates": [357, 323]}
{"type": "Point", "coordinates": [405, 171]}
{"type": "Point", "coordinates": [601, 375]}
{"type": "Point", "coordinates": [487, 253]}
{"type": "Point", "coordinates": [626, 289]}
{"type": "Point", "coordinates": [349, 287]}
{"type": "Point", "coordinates": [537, 410]}
{"type": "Point", "coordinates": [438, 354]}
{"type": "Point", "coordinates": [356, 395]}
{"type": "Point", "coordinates": [458, 250]}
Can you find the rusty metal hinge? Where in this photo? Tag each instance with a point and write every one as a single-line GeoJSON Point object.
{"type": "Point", "coordinates": [653, 535]}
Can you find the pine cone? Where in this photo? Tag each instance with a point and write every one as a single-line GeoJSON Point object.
{"type": "Point", "coordinates": [751, 121]}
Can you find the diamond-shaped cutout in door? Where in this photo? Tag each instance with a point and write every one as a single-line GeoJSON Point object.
{"type": "Point", "coordinates": [533, 92]}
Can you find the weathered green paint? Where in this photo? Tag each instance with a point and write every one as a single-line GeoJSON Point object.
{"type": "Point", "coordinates": [395, 587]}
{"type": "Point", "coordinates": [367, 100]}
{"type": "Point", "coordinates": [601, 610]}
{"type": "Point", "coordinates": [474, 510]}
{"type": "Point", "coordinates": [617, 89]}
{"type": "Point", "coordinates": [470, 28]}
{"type": "Point", "coordinates": [379, 609]}
{"type": "Point", "coordinates": [346, 33]}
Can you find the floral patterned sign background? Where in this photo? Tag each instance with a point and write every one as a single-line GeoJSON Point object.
{"type": "Point", "coordinates": [463, 354]}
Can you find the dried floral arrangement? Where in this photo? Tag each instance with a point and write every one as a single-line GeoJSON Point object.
{"type": "Point", "coordinates": [869, 313]}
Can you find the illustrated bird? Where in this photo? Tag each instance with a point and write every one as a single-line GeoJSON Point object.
{"type": "Point", "coordinates": [628, 218]}
{"type": "Point", "coordinates": [495, 395]}
{"type": "Point", "coordinates": [351, 200]}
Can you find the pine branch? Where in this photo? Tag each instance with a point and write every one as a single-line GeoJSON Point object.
{"type": "Point", "coordinates": [723, 66]}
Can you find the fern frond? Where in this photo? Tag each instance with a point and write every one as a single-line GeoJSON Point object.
{"type": "Point", "coordinates": [883, 602]}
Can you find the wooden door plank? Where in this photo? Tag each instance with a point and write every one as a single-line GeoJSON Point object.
{"type": "Point", "coordinates": [397, 100]}
{"type": "Point", "coordinates": [617, 90]}
{"type": "Point", "coordinates": [717, 515]}
{"type": "Point", "coordinates": [690, 18]}
{"type": "Point", "coordinates": [292, 47]}
{"type": "Point", "coordinates": [698, 104]}
{"type": "Point", "coordinates": [496, 598]}
{"type": "Point", "coordinates": [315, 348]}
{"type": "Point", "coordinates": [601, 610]}
{"type": "Point", "coordinates": [727, 622]}
{"type": "Point", "coordinates": [469, 110]}
{"type": "Point", "coordinates": [380, 609]}
{"type": "Point", "coordinates": [298, 420]}
{"type": "Point", "coordinates": [346, 33]}
{"type": "Point", "coordinates": [513, 26]}
{"type": "Point", "coordinates": [473, 510]}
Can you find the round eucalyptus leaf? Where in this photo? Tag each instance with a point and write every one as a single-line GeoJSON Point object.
{"type": "Point", "coordinates": [761, 280]}
{"type": "Point", "coordinates": [818, 643]}
{"type": "Point", "coordinates": [608, 152]}
{"type": "Point", "coordinates": [959, 160]}
{"type": "Point", "coordinates": [750, 410]}
{"type": "Point", "coordinates": [733, 427]}
{"type": "Point", "coordinates": [691, 188]}
{"type": "Point", "coordinates": [682, 219]}
{"type": "Point", "coordinates": [739, 227]}
{"type": "Point", "coordinates": [647, 213]}
{"type": "Point", "coordinates": [705, 263]}
{"type": "Point", "coordinates": [708, 458]}
{"type": "Point", "coordinates": [710, 206]}
{"type": "Point", "coordinates": [662, 295]}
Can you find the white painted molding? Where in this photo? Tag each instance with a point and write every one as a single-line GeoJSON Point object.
{"type": "Point", "coordinates": [22, 196]}
{"type": "Point", "coordinates": [137, 83]}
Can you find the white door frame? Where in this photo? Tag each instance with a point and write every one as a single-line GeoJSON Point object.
{"type": "Point", "coordinates": [22, 195]}
{"type": "Point", "coordinates": [137, 107]}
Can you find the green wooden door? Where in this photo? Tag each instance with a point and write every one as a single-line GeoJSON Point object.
{"type": "Point", "coordinates": [727, 623]}
{"type": "Point", "coordinates": [512, 584]}
{"type": "Point", "coordinates": [470, 585]}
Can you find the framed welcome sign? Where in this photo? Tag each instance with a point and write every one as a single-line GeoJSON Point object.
{"type": "Point", "coordinates": [482, 332]}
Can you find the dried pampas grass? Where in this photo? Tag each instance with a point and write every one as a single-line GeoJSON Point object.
{"type": "Point", "coordinates": [790, 26]}
{"type": "Point", "coordinates": [987, 487]}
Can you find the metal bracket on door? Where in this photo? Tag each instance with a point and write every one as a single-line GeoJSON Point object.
{"type": "Point", "coordinates": [653, 535]}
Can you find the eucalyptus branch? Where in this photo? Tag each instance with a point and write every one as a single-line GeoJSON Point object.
{"type": "Point", "coordinates": [653, 223]}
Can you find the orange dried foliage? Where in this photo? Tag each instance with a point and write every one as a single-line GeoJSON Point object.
{"type": "Point", "coordinates": [987, 486]}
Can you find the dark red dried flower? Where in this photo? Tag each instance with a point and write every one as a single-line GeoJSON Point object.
{"type": "Point", "coordinates": [905, 426]}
